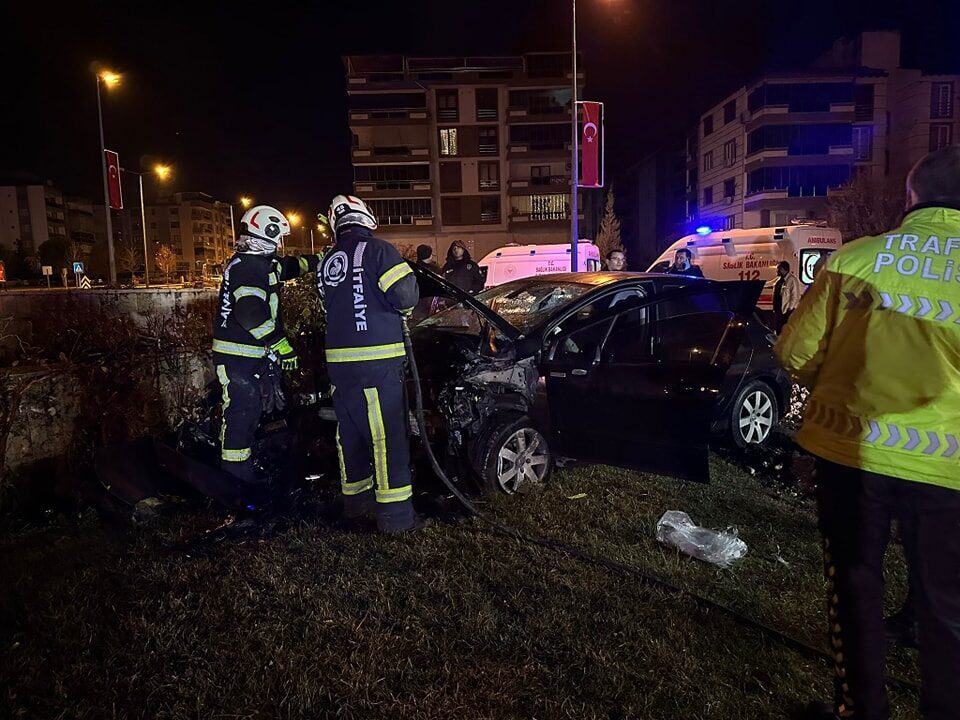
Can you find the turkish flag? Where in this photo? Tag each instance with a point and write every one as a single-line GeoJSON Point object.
{"type": "Point", "coordinates": [113, 179]}
{"type": "Point", "coordinates": [591, 140]}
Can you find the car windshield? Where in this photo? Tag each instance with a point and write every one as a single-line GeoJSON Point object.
{"type": "Point", "coordinates": [522, 303]}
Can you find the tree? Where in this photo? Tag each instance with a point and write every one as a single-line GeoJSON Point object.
{"type": "Point", "coordinates": [54, 252]}
{"type": "Point", "coordinates": [166, 261]}
{"type": "Point", "coordinates": [867, 205]}
{"type": "Point", "coordinates": [407, 251]}
{"type": "Point", "coordinates": [608, 238]}
{"type": "Point", "coordinates": [128, 257]}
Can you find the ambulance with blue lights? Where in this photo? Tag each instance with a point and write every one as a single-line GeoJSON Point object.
{"type": "Point", "coordinates": [754, 254]}
{"type": "Point", "coordinates": [514, 261]}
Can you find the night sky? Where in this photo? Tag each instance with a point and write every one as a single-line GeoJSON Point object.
{"type": "Point", "coordinates": [254, 103]}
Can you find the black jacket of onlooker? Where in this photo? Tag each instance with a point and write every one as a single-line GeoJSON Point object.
{"type": "Point", "coordinates": [464, 273]}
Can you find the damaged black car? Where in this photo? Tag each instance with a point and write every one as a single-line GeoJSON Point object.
{"type": "Point", "coordinates": [630, 369]}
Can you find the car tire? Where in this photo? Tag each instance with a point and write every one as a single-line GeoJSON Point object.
{"type": "Point", "coordinates": [753, 415]}
{"type": "Point", "coordinates": [514, 457]}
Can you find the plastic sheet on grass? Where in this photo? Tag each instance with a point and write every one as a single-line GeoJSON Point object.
{"type": "Point", "coordinates": [676, 529]}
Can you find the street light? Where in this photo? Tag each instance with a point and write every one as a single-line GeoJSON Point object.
{"type": "Point", "coordinates": [109, 79]}
{"type": "Point", "coordinates": [246, 201]}
{"type": "Point", "coordinates": [162, 173]}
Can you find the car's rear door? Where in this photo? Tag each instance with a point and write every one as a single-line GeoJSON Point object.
{"type": "Point", "coordinates": [648, 399]}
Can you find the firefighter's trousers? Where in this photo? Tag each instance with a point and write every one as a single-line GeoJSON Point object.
{"type": "Point", "coordinates": [373, 440]}
{"type": "Point", "coordinates": [240, 388]}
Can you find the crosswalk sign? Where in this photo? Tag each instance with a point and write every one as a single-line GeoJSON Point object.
{"type": "Point", "coordinates": [77, 268]}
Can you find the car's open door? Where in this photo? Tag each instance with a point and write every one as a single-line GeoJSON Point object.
{"type": "Point", "coordinates": [637, 386]}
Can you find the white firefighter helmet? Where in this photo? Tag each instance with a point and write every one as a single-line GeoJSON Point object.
{"type": "Point", "coordinates": [350, 210]}
{"type": "Point", "coordinates": [262, 226]}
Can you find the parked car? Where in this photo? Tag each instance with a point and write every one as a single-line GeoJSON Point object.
{"type": "Point", "coordinates": [632, 369]}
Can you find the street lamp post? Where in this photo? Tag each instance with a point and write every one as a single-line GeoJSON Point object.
{"type": "Point", "coordinates": [574, 155]}
{"type": "Point", "coordinates": [162, 172]}
{"type": "Point", "coordinates": [106, 189]}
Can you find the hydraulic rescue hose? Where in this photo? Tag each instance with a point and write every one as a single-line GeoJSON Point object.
{"type": "Point", "coordinates": [585, 557]}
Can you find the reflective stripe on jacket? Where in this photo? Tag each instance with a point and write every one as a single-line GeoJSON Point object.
{"type": "Point", "coordinates": [877, 338]}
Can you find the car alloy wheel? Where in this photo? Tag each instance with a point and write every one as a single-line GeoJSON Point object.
{"type": "Point", "coordinates": [522, 461]}
{"type": "Point", "coordinates": [756, 417]}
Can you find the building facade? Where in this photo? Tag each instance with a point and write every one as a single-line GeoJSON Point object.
{"type": "Point", "coordinates": [195, 226]}
{"type": "Point", "coordinates": [30, 215]}
{"type": "Point", "coordinates": [471, 149]}
{"type": "Point", "coordinates": [775, 150]}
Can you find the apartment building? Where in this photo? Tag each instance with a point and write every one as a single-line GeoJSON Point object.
{"type": "Point", "coordinates": [463, 148]}
{"type": "Point", "coordinates": [31, 214]}
{"type": "Point", "coordinates": [775, 150]}
{"type": "Point", "coordinates": [194, 225]}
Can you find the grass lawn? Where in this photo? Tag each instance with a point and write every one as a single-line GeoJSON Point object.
{"type": "Point", "coordinates": [454, 622]}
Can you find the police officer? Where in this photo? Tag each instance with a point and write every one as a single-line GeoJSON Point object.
{"type": "Point", "coordinates": [365, 286]}
{"type": "Point", "coordinates": [877, 340]}
{"type": "Point", "coordinates": [250, 347]}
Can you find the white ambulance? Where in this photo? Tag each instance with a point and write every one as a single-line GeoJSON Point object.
{"type": "Point", "coordinates": [755, 253]}
{"type": "Point", "coordinates": [512, 262]}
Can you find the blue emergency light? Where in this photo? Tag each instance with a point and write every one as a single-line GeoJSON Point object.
{"type": "Point", "coordinates": [704, 230]}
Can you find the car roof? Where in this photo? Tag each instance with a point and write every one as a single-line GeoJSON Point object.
{"type": "Point", "coordinates": [608, 277]}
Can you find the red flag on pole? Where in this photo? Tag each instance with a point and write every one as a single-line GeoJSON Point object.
{"type": "Point", "coordinates": [591, 144]}
{"type": "Point", "coordinates": [113, 179]}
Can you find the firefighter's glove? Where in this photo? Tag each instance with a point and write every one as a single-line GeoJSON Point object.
{"type": "Point", "coordinates": [271, 388]}
{"type": "Point", "coordinates": [285, 354]}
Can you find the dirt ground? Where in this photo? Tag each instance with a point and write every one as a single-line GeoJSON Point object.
{"type": "Point", "coordinates": [100, 621]}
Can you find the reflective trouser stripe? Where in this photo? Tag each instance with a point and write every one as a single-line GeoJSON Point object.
{"type": "Point", "coordinates": [250, 291]}
{"type": "Point", "coordinates": [236, 455]}
{"type": "Point", "coordinates": [371, 352]}
{"type": "Point", "coordinates": [890, 435]}
{"type": "Point", "coordinates": [225, 401]}
{"type": "Point", "coordinates": [350, 488]}
{"type": "Point", "coordinates": [378, 436]}
{"type": "Point", "coordinates": [239, 349]}
{"type": "Point", "coordinates": [394, 274]}
{"type": "Point", "coordinates": [395, 494]}
{"type": "Point", "coordinates": [228, 454]}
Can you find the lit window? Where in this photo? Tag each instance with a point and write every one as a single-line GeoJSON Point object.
{"type": "Point", "coordinates": [708, 160]}
{"type": "Point", "coordinates": [862, 142]}
{"type": "Point", "coordinates": [448, 141]}
{"type": "Point", "coordinates": [729, 153]}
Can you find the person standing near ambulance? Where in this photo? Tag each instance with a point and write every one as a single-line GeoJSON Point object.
{"type": "Point", "coordinates": [877, 339]}
{"type": "Point", "coordinates": [366, 286]}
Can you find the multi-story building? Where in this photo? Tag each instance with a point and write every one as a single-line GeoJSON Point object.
{"type": "Point", "coordinates": [196, 227]}
{"type": "Point", "coordinates": [464, 148]}
{"type": "Point", "coordinates": [30, 215]}
{"type": "Point", "coordinates": [773, 151]}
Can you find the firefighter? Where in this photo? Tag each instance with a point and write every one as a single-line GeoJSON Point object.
{"type": "Point", "coordinates": [877, 340]}
{"type": "Point", "coordinates": [365, 286]}
{"type": "Point", "coordinates": [250, 347]}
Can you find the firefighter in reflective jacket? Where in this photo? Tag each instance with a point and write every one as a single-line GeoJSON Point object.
{"type": "Point", "coordinates": [365, 286]}
{"type": "Point", "coordinates": [250, 346]}
{"type": "Point", "coordinates": [877, 339]}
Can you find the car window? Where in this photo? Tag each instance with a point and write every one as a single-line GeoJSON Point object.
{"type": "Point", "coordinates": [660, 267]}
{"type": "Point", "coordinates": [689, 328]}
{"type": "Point", "coordinates": [629, 339]}
{"type": "Point", "coordinates": [582, 346]}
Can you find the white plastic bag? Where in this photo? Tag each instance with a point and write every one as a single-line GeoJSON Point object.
{"type": "Point", "coordinates": [676, 528]}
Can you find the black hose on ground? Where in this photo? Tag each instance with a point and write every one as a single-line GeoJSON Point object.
{"type": "Point", "coordinates": [582, 556]}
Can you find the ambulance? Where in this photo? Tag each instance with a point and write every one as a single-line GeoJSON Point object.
{"type": "Point", "coordinates": [513, 261]}
{"type": "Point", "coordinates": [755, 253]}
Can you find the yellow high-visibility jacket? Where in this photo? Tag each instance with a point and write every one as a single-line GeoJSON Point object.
{"type": "Point", "coordinates": [877, 339]}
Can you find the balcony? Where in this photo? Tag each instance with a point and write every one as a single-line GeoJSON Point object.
{"type": "Point", "coordinates": [548, 183]}
{"type": "Point", "coordinates": [487, 114]}
{"type": "Point", "coordinates": [519, 151]}
{"type": "Point", "coordinates": [489, 185]}
{"type": "Point", "coordinates": [417, 116]}
{"type": "Point", "coordinates": [538, 115]}
{"type": "Point", "coordinates": [394, 188]}
{"type": "Point", "coordinates": [386, 154]}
